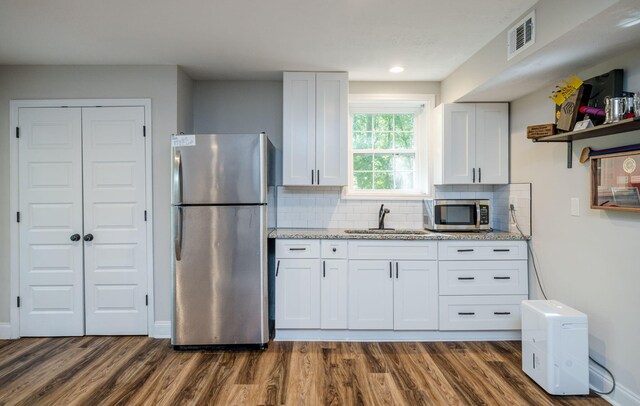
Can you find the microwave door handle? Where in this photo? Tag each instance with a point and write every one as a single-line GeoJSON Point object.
{"type": "Point", "coordinates": [477, 215]}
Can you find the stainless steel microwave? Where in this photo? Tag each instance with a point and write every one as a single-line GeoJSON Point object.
{"type": "Point", "coordinates": [456, 215]}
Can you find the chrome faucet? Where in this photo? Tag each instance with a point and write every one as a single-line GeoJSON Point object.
{"type": "Point", "coordinates": [381, 215]}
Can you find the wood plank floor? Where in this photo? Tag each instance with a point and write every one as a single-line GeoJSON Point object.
{"type": "Point", "coordinates": [141, 370]}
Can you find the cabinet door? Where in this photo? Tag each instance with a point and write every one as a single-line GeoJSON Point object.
{"type": "Point", "coordinates": [298, 128]}
{"type": "Point", "coordinates": [415, 295]}
{"type": "Point", "coordinates": [459, 143]}
{"type": "Point", "coordinates": [370, 295]}
{"type": "Point", "coordinates": [298, 293]}
{"type": "Point", "coordinates": [333, 287]}
{"type": "Point", "coordinates": [331, 128]}
{"type": "Point", "coordinates": [492, 143]}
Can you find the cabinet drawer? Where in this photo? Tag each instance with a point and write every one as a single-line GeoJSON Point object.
{"type": "Point", "coordinates": [297, 249]}
{"type": "Point", "coordinates": [480, 312]}
{"type": "Point", "coordinates": [483, 278]}
{"type": "Point", "coordinates": [393, 250]}
{"type": "Point", "coordinates": [482, 250]}
{"type": "Point", "coordinates": [333, 249]}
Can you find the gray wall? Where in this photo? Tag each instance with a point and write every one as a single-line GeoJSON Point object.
{"type": "Point", "coordinates": [588, 262]}
{"type": "Point", "coordinates": [236, 107]}
{"type": "Point", "coordinates": [86, 82]}
{"type": "Point", "coordinates": [254, 106]}
{"type": "Point", "coordinates": [185, 102]}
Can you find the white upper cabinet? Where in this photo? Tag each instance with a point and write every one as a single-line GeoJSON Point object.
{"type": "Point", "coordinates": [315, 130]}
{"type": "Point", "coordinates": [471, 143]}
{"type": "Point", "coordinates": [492, 142]}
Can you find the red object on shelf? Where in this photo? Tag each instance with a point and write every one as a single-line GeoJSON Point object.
{"type": "Point", "coordinates": [593, 111]}
{"type": "Point", "coordinates": [629, 115]}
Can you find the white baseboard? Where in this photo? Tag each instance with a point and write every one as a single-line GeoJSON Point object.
{"type": "Point", "coordinates": [388, 335]}
{"type": "Point", "coordinates": [5, 331]}
{"type": "Point", "coordinates": [620, 397]}
{"type": "Point", "coordinates": [161, 329]}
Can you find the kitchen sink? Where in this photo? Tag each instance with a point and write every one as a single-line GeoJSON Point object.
{"type": "Point", "coordinates": [385, 231]}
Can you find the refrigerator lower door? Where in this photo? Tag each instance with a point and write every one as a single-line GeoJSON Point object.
{"type": "Point", "coordinates": [219, 275]}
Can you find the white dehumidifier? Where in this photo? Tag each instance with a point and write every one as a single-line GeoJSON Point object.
{"type": "Point", "coordinates": [555, 347]}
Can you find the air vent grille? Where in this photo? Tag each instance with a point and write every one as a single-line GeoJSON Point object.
{"type": "Point", "coordinates": [521, 36]}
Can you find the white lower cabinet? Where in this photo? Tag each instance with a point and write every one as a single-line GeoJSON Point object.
{"type": "Point", "coordinates": [415, 295]}
{"type": "Point", "coordinates": [311, 292]}
{"type": "Point", "coordinates": [482, 284]}
{"type": "Point", "coordinates": [393, 285]}
{"type": "Point", "coordinates": [363, 286]}
{"type": "Point", "coordinates": [370, 295]}
{"type": "Point", "coordinates": [298, 293]}
{"type": "Point", "coordinates": [480, 312]}
{"type": "Point", "coordinates": [393, 295]}
{"type": "Point", "coordinates": [333, 294]}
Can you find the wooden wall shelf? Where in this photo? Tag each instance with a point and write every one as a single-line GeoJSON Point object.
{"type": "Point", "coordinates": [623, 126]}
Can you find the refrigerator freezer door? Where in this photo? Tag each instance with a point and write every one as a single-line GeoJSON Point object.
{"type": "Point", "coordinates": [220, 278]}
{"type": "Point", "coordinates": [221, 169]}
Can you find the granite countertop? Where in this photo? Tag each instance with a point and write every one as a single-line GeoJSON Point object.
{"type": "Point", "coordinates": [341, 234]}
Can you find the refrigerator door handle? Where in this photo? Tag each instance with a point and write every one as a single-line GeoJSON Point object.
{"type": "Point", "coordinates": [177, 178]}
{"type": "Point", "coordinates": [178, 238]}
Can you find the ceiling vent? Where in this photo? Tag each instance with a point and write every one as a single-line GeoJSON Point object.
{"type": "Point", "coordinates": [521, 36]}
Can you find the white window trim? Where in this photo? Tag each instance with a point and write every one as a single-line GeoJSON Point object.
{"type": "Point", "coordinates": [405, 102]}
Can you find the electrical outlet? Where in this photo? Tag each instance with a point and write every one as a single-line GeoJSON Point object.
{"type": "Point", "coordinates": [575, 206]}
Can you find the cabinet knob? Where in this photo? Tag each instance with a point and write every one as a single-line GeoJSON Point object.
{"type": "Point", "coordinates": [334, 249]}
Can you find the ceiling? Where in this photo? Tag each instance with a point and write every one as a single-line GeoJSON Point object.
{"type": "Point", "coordinates": [256, 39]}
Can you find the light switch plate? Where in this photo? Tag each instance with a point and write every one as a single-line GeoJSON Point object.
{"type": "Point", "coordinates": [575, 206]}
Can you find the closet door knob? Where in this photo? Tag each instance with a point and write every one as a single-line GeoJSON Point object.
{"type": "Point", "coordinates": [75, 237]}
{"type": "Point", "coordinates": [88, 237]}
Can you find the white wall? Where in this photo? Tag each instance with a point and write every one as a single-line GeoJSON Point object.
{"type": "Point", "coordinates": [589, 262]}
{"type": "Point", "coordinates": [93, 82]}
{"type": "Point", "coordinates": [553, 20]}
{"type": "Point", "coordinates": [396, 88]}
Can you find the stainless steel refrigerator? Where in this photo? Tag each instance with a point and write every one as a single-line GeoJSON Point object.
{"type": "Point", "coordinates": [223, 192]}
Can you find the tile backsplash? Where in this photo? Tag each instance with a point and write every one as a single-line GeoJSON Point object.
{"type": "Point", "coordinates": [309, 207]}
{"type": "Point", "coordinates": [324, 207]}
{"type": "Point", "coordinates": [520, 195]}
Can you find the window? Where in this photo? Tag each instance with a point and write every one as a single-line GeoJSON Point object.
{"type": "Point", "coordinates": [387, 148]}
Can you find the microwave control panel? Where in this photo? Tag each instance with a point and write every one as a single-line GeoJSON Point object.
{"type": "Point", "coordinates": [484, 214]}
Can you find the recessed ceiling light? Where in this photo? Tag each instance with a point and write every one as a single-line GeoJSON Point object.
{"type": "Point", "coordinates": [396, 69]}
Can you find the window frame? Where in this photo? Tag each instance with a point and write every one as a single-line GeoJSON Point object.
{"type": "Point", "coordinates": [422, 106]}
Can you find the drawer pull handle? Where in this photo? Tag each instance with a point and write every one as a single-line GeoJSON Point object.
{"type": "Point", "coordinates": [466, 250]}
{"type": "Point", "coordinates": [390, 270]}
{"type": "Point", "coordinates": [297, 249]}
{"type": "Point", "coordinates": [502, 313]}
{"type": "Point", "coordinates": [466, 314]}
{"type": "Point", "coordinates": [334, 249]}
{"type": "Point", "coordinates": [501, 250]}
{"type": "Point", "coordinates": [501, 277]}
{"type": "Point", "coordinates": [466, 278]}
{"type": "Point", "coordinates": [278, 268]}
{"type": "Point", "coordinates": [324, 269]}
